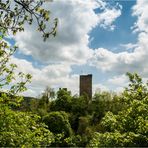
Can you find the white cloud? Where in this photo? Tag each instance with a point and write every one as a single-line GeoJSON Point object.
{"type": "Point", "coordinates": [135, 61]}
{"type": "Point", "coordinates": [103, 59]}
{"type": "Point", "coordinates": [118, 81]}
{"type": "Point", "coordinates": [128, 46]}
{"type": "Point", "coordinates": [70, 47]}
{"type": "Point", "coordinates": [122, 62]}
{"type": "Point", "coordinates": [56, 76]}
{"type": "Point", "coordinates": [98, 88]}
{"type": "Point", "coordinates": [140, 10]}
{"type": "Point", "coordinates": [107, 18]}
{"type": "Point", "coordinates": [76, 19]}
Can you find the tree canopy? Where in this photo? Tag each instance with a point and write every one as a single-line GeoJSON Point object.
{"type": "Point", "coordinates": [130, 126]}
{"type": "Point", "coordinates": [15, 13]}
{"type": "Point", "coordinates": [19, 128]}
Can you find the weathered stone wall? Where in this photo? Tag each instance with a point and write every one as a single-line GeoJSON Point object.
{"type": "Point", "coordinates": [86, 85]}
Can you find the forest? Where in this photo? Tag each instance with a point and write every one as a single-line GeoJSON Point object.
{"type": "Point", "coordinates": [63, 120]}
{"type": "Point", "coordinates": [60, 119]}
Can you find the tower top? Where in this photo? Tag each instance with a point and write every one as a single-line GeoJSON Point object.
{"type": "Point", "coordinates": [86, 75]}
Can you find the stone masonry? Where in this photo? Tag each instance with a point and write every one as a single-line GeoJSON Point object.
{"type": "Point", "coordinates": [86, 85]}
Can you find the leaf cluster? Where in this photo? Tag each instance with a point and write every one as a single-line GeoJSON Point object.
{"type": "Point", "coordinates": [129, 127]}
{"type": "Point", "coordinates": [15, 13]}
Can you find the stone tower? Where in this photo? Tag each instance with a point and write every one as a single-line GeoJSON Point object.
{"type": "Point", "coordinates": [86, 85]}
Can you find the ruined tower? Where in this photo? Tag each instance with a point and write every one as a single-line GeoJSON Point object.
{"type": "Point", "coordinates": [86, 85]}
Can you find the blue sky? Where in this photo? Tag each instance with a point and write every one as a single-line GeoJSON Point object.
{"type": "Point", "coordinates": [121, 35]}
{"type": "Point", "coordinates": [112, 40]}
{"type": "Point", "coordinates": [105, 38]}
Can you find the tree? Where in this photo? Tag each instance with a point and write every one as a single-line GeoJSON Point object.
{"type": "Point", "coordinates": [48, 93]}
{"type": "Point", "coordinates": [129, 127]}
{"type": "Point", "coordinates": [17, 128]}
{"type": "Point", "coordinates": [58, 123]}
{"type": "Point", "coordinates": [63, 101]}
{"type": "Point", "coordinates": [100, 104]}
{"type": "Point", "coordinates": [15, 13]}
{"type": "Point", "coordinates": [80, 105]}
{"type": "Point", "coordinates": [20, 129]}
{"type": "Point", "coordinates": [79, 108]}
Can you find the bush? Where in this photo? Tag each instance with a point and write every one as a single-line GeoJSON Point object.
{"type": "Point", "coordinates": [58, 122]}
{"type": "Point", "coordinates": [20, 129]}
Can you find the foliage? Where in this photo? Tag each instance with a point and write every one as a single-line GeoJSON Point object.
{"type": "Point", "coordinates": [129, 127]}
{"type": "Point", "coordinates": [108, 120]}
{"type": "Point", "coordinates": [73, 141]}
{"type": "Point", "coordinates": [84, 122]}
{"type": "Point", "coordinates": [100, 104]}
{"type": "Point", "coordinates": [58, 123]}
{"type": "Point", "coordinates": [7, 75]}
{"type": "Point", "coordinates": [79, 106]}
{"type": "Point", "coordinates": [19, 129]}
{"type": "Point", "coordinates": [117, 103]}
{"type": "Point", "coordinates": [117, 139]}
{"type": "Point", "coordinates": [22, 129]}
{"type": "Point", "coordinates": [62, 102]}
{"type": "Point", "coordinates": [15, 13]}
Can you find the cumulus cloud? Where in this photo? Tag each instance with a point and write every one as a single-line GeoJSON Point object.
{"type": "Point", "coordinates": [76, 19]}
{"type": "Point", "coordinates": [56, 76]}
{"type": "Point", "coordinates": [140, 10]}
{"type": "Point", "coordinates": [128, 46]}
{"type": "Point", "coordinates": [118, 81]}
{"type": "Point", "coordinates": [123, 62]}
{"type": "Point", "coordinates": [70, 47]}
{"type": "Point", "coordinates": [126, 61]}
{"type": "Point", "coordinates": [102, 59]}
{"type": "Point", "coordinates": [98, 88]}
{"type": "Point", "coordinates": [107, 18]}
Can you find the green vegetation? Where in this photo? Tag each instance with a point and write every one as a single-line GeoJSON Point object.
{"type": "Point", "coordinates": [106, 120]}
{"type": "Point", "coordinates": [109, 119]}
{"type": "Point", "coordinates": [19, 128]}
{"type": "Point", "coordinates": [129, 127]}
{"type": "Point", "coordinates": [22, 129]}
{"type": "Point", "coordinates": [60, 119]}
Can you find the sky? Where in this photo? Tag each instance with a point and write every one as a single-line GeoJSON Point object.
{"type": "Point", "coordinates": [105, 38]}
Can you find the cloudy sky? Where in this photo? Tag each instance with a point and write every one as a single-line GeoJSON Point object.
{"type": "Point", "coordinates": [104, 38]}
